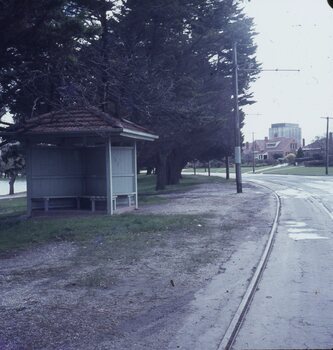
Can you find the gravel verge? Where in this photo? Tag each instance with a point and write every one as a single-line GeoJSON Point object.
{"type": "Point", "coordinates": [168, 290]}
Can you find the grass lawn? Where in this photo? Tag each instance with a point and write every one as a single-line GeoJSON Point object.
{"type": "Point", "coordinates": [17, 232]}
{"type": "Point", "coordinates": [245, 169]}
{"type": "Point", "coordinates": [22, 233]}
{"type": "Point", "coordinates": [146, 184]}
{"type": "Point", "coordinates": [299, 170]}
{"type": "Point", "coordinates": [288, 170]}
{"type": "Point", "coordinates": [12, 207]}
{"type": "Point", "coordinates": [213, 170]}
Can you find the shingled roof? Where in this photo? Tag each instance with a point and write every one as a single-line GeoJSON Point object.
{"type": "Point", "coordinates": [79, 121]}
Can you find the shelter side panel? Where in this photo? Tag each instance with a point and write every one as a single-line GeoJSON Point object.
{"type": "Point", "coordinates": [123, 170]}
{"type": "Point", "coordinates": [94, 171]}
{"type": "Point", "coordinates": [56, 172]}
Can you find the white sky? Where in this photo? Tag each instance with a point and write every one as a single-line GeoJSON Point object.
{"type": "Point", "coordinates": [293, 34]}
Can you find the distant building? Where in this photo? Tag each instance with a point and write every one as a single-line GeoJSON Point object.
{"type": "Point", "coordinates": [317, 149]}
{"type": "Point", "coordinates": [286, 130]}
{"type": "Point", "coordinates": [270, 149]}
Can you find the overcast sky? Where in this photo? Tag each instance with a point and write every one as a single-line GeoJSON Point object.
{"type": "Point", "coordinates": [292, 34]}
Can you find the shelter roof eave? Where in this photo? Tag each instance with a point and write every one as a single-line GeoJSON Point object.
{"type": "Point", "coordinates": [122, 132]}
{"type": "Point", "coordinates": [139, 135]}
{"type": "Point", "coordinates": [77, 122]}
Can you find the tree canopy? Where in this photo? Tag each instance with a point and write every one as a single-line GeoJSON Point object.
{"type": "Point", "coordinates": [166, 65]}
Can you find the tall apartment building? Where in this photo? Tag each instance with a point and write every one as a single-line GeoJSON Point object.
{"type": "Point", "coordinates": [286, 130]}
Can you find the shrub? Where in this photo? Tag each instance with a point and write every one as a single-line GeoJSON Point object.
{"type": "Point", "coordinates": [314, 163]}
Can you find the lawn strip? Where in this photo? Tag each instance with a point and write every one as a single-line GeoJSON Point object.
{"type": "Point", "coordinates": [24, 233]}
{"type": "Point", "coordinates": [299, 170]}
{"type": "Point", "coordinates": [147, 184]}
{"type": "Point", "coordinates": [18, 232]}
{"type": "Point", "coordinates": [13, 206]}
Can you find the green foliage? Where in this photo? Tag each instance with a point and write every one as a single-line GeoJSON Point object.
{"type": "Point", "coordinates": [186, 51]}
{"type": "Point", "coordinates": [164, 64]}
{"type": "Point", "coordinates": [290, 158]}
{"type": "Point", "coordinates": [11, 160]}
{"type": "Point", "coordinates": [300, 153]}
{"type": "Point", "coordinates": [276, 156]}
{"type": "Point", "coordinates": [11, 163]}
{"type": "Point", "coordinates": [40, 41]}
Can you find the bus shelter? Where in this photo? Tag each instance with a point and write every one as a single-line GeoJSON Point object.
{"type": "Point", "coordinates": [79, 158]}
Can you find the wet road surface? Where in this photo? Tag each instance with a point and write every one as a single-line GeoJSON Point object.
{"type": "Point", "coordinates": [293, 305]}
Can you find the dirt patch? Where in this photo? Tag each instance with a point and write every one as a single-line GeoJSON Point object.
{"type": "Point", "coordinates": [134, 293]}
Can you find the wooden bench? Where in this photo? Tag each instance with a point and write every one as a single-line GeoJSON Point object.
{"type": "Point", "coordinates": [93, 200]}
{"type": "Point", "coordinates": [47, 199]}
{"type": "Point", "coordinates": [128, 195]}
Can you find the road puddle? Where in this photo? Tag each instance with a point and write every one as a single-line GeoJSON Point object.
{"type": "Point", "coordinates": [295, 223]}
{"type": "Point", "coordinates": [324, 186]}
{"type": "Point", "coordinates": [297, 231]}
{"type": "Point", "coordinates": [292, 193]}
{"type": "Point", "coordinates": [302, 236]}
{"type": "Point", "coordinates": [301, 230]}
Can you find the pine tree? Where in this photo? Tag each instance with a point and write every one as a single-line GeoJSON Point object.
{"type": "Point", "coordinates": [38, 52]}
{"type": "Point", "coordinates": [184, 85]}
{"type": "Point", "coordinates": [164, 64]}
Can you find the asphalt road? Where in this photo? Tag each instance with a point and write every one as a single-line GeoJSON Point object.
{"type": "Point", "coordinates": [293, 305]}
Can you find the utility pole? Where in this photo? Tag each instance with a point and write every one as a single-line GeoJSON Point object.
{"type": "Point", "coordinates": [253, 146]}
{"type": "Point", "coordinates": [237, 121]}
{"type": "Point", "coordinates": [327, 143]}
{"type": "Point", "coordinates": [253, 157]}
{"type": "Point", "coordinates": [237, 125]}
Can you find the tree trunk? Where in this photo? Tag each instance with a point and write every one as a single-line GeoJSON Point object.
{"type": "Point", "coordinates": [149, 170]}
{"type": "Point", "coordinates": [182, 166]}
{"type": "Point", "coordinates": [175, 165]}
{"type": "Point", "coordinates": [12, 179]}
{"type": "Point", "coordinates": [161, 171]}
{"type": "Point", "coordinates": [227, 171]}
{"type": "Point", "coordinates": [173, 175]}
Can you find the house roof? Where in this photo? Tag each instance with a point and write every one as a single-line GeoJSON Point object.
{"type": "Point", "coordinates": [79, 121]}
{"type": "Point", "coordinates": [259, 145]}
{"type": "Point", "coordinates": [282, 144]}
{"type": "Point", "coordinates": [277, 144]}
{"type": "Point", "coordinates": [316, 145]}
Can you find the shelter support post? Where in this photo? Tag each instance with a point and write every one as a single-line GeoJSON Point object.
{"type": "Point", "coordinates": [109, 187]}
{"type": "Point", "coordinates": [28, 160]}
{"type": "Point", "coordinates": [135, 176]}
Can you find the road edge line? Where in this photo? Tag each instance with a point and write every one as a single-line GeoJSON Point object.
{"type": "Point", "coordinates": [236, 322]}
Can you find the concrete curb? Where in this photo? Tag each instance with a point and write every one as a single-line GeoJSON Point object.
{"type": "Point", "coordinates": [16, 195]}
{"type": "Point", "coordinates": [236, 323]}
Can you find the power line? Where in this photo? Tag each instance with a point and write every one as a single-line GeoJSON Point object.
{"type": "Point", "coordinates": [236, 69]}
{"type": "Point", "coordinates": [268, 70]}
